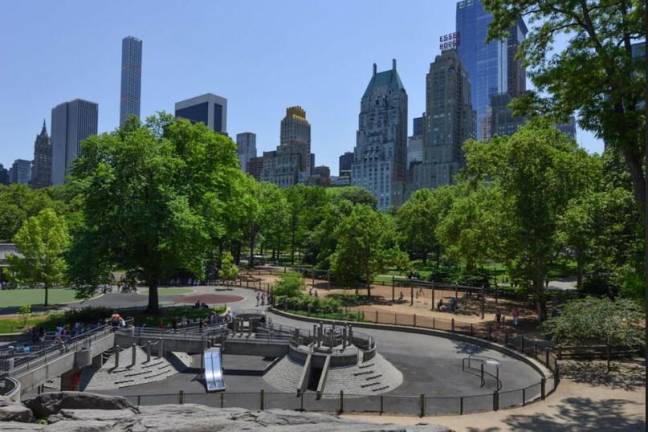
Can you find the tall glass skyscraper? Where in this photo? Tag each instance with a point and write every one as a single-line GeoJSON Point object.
{"type": "Point", "coordinates": [492, 68]}
{"type": "Point", "coordinates": [131, 78]}
{"type": "Point", "coordinates": [72, 122]}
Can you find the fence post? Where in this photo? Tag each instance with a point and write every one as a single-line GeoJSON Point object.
{"type": "Point", "coordinates": [522, 344]}
{"type": "Point", "coordinates": [395, 318]}
{"type": "Point", "coordinates": [523, 397]}
{"type": "Point", "coordinates": [376, 316]}
{"type": "Point", "coordinates": [341, 408]}
{"type": "Point", "coordinates": [547, 357]}
{"type": "Point", "coordinates": [414, 320]}
{"type": "Point", "coordinates": [495, 400]}
{"type": "Point", "coordinates": [181, 397]}
{"type": "Point", "coordinates": [461, 405]}
{"type": "Point", "coordinates": [433, 323]}
{"type": "Point", "coordinates": [261, 401]}
{"type": "Point", "coordinates": [301, 401]}
{"type": "Point", "coordinates": [542, 388]}
{"type": "Point", "coordinates": [452, 324]}
{"type": "Point", "coordinates": [139, 400]}
{"type": "Point", "coordinates": [393, 290]}
{"type": "Point", "coordinates": [411, 295]}
{"type": "Point", "coordinates": [422, 402]}
{"type": "Point", "coordinates": [222, 400]}
{"type": "Point", "coordinates": [382, 405]}
{"type": "Point", "coordinates": [432, 305]}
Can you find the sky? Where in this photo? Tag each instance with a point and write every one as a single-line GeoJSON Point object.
{"type": "Point", "coordinates": [261, 55]}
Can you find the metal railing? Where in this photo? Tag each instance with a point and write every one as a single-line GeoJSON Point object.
{"type": "Point", "coordinates": [414, 405]}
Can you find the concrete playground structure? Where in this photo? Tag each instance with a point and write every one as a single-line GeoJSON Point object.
{"type": "Point", "coordinates": [273, 360]}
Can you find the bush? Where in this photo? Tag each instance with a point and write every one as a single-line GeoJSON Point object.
{"type": "Point", "coordinates": [290, 285]}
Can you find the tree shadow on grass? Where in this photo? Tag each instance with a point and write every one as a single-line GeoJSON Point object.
{"type": "Point", "coordinates": [626, 375]}
{"type": "Point", "coordinates": [576, 414]}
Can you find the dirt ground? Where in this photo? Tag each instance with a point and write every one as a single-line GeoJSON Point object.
{"type": "Point", "coordinates": [587, 399]}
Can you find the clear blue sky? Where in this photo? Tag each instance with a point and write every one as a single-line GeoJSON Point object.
{"type": "Point", "coordinates": [261, 55]}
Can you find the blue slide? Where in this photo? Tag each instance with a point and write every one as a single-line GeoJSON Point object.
{"type": "Point", "coordinates": [213, 370]}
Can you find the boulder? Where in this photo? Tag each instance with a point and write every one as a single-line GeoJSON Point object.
{"type": "Point", "coordinates": [12, 411]}
{"type": "Point", "coordinates": [48, 404]}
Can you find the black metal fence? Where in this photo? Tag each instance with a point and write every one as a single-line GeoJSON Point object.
{"type": "Point", "coordinates": [414, 405]}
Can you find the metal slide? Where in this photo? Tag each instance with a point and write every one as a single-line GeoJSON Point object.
{"type": "Point", "coordinates": [213, 370]}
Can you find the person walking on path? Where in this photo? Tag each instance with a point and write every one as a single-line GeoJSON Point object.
{"type": "Point", "coordinates": [515, 313]}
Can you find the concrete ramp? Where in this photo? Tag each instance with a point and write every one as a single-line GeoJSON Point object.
{"type": "Point", "coordinates": [213, 370]}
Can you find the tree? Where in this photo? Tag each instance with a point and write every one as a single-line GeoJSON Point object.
{"type": "Point", "coordinates": [471, 230]}
{"type": "Point", "coordinates": [417, 220]}
{"type": "Point", "coordinates": [155, 198]}
{"type": "Point", "coordinates": [228, 270]}
{"type": "Point", "coordinates": [597, 321]}
{"type": "Point", "coordinates": [602, 74]}
{"type": "Point", "coordinates": [275, 216]}
{"type": "Point", "coordinates": [537, 171]}
{"type": "Point", "coordinates": [42, 241]}
{"type": "Point", "coordinates": [19, 202]}
{"type": "Point", "coordinates": [361, 251]}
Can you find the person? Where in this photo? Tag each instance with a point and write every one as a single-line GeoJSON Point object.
{"type": "Point", "coordinates": [58, 334]}
{"type": "Point", "coordinates": [400, 297]}
{"type": "Point", "coordinates": [41, 334]}
{"type": "Point", "coordinates": [34, 335]}
{"type": "Point", "coordinates": [315, 291]}
{"type": "Point", "coordinates": [498, 316]}
{"type": "Point", "coordinates": [440, 305]}
{"type": "Point", "coordinates": [258, 297]}
{"type": "Point", "coordinates": [263, 299]}
{"type": "Point", "coordinates": [200, 325]}
{"type": "Point", "coordinates": [197, 305]}
{"type": "Point", "coordinates": [515, 313]}
{"type": "Point", "coordinates": [174, 325]}
{"type": "Point", "coordinates": [114, 320]}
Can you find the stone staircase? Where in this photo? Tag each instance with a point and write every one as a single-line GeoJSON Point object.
{"type": "Point", "coordinates": [126, 374]}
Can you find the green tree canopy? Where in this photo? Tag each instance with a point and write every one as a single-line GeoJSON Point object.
{"type": "Point", "coordinates": [42, 241]}
{"type": "Point", "coordinates": [417, 220]}
{"type": "Point", "coordinates": [155, 198]}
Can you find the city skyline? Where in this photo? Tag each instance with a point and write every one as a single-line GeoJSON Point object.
{"type": "Point", "coordinates": [327, 79]}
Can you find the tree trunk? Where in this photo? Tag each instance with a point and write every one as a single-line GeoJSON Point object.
{"type": "Point", "coordinates": [251, 263]}
{"type": "Point", "coordinates": [153, 300]}
{"type": "Point", "coordinates": [645, 198]}
{"type": "Point", "coordinates": [579, 270]}
{"type": "Point", "coordinates": [541, 301]}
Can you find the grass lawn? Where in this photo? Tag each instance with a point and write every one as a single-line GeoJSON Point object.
{"type": "Point", "coordinates": [166, 291]}
{"type": "Point", "coordinates": [36, 296]}
{"type": "Point", "coordinates": [14, 324]}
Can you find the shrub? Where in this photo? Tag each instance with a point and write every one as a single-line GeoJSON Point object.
{"type": "Point", "coordinates": [290, 285]}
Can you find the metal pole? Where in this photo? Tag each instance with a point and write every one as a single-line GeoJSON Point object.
{"type": "Point", "coordinates": [133, 354]}
{"type": "Point", "coordinates": [422, 402]}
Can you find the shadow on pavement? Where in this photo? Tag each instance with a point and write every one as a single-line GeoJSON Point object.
{"type": "Point", "coordinates": [576, 415]}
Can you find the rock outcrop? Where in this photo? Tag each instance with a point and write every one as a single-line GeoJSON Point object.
{"type": "Point", "coordinates": [48, 404]}
{"type": "Point", "coordinates": [87, 412]}
{"type": "Point", "coordinates": [12, 411]}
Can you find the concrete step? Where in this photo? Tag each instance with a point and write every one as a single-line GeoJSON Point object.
{"type": "Point", "coordinates": [380, 389]}
{"type": "Point", "coordinates": [374, 377]}
{"type": "Point", "coordinates": [364, 366]}
{"type": "Point", "coordinates": [363, 373]}
{"type": "Point", "coordinates": [371, 384]}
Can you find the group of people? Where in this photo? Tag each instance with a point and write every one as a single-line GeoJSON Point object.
{"type": "Point", "coordinates": [500, 318]}
{"type": "Point", "coordinates": [262, 299]}
{"type": "Point", "coordinates": [312, 291]}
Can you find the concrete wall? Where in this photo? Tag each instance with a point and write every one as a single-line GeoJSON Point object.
{"type": "Point", "coordinates": [59, 365]}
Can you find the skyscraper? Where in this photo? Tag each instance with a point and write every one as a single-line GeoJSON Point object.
{"type": "Point", "coordinates": [72, 122]}
{"type": "Point", "coordinates": [492, 67]}
{"type": "Point", "coordinates": [449, 122]}
{"type": "Point", "coordinates": [131, 78]}
{"type": "Point", "coordinates": [415, 142]}
{"type": "Point", "coordinates": [245, 148]}
{"type": "Point", "coordinates": [380, 154]}
{"type": "Point", "coordinates": [20, 171]}
{"type": "Point", "coordinates": [41, 175]}
{"type": "Point", "coordinates": [295, 137]}
{"type": "Point", "coordinates": [208, 109]}
{"type": "Point", "coordinates": [346, 162]}
{"type": "Point", "coordinates": [4, 175]}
